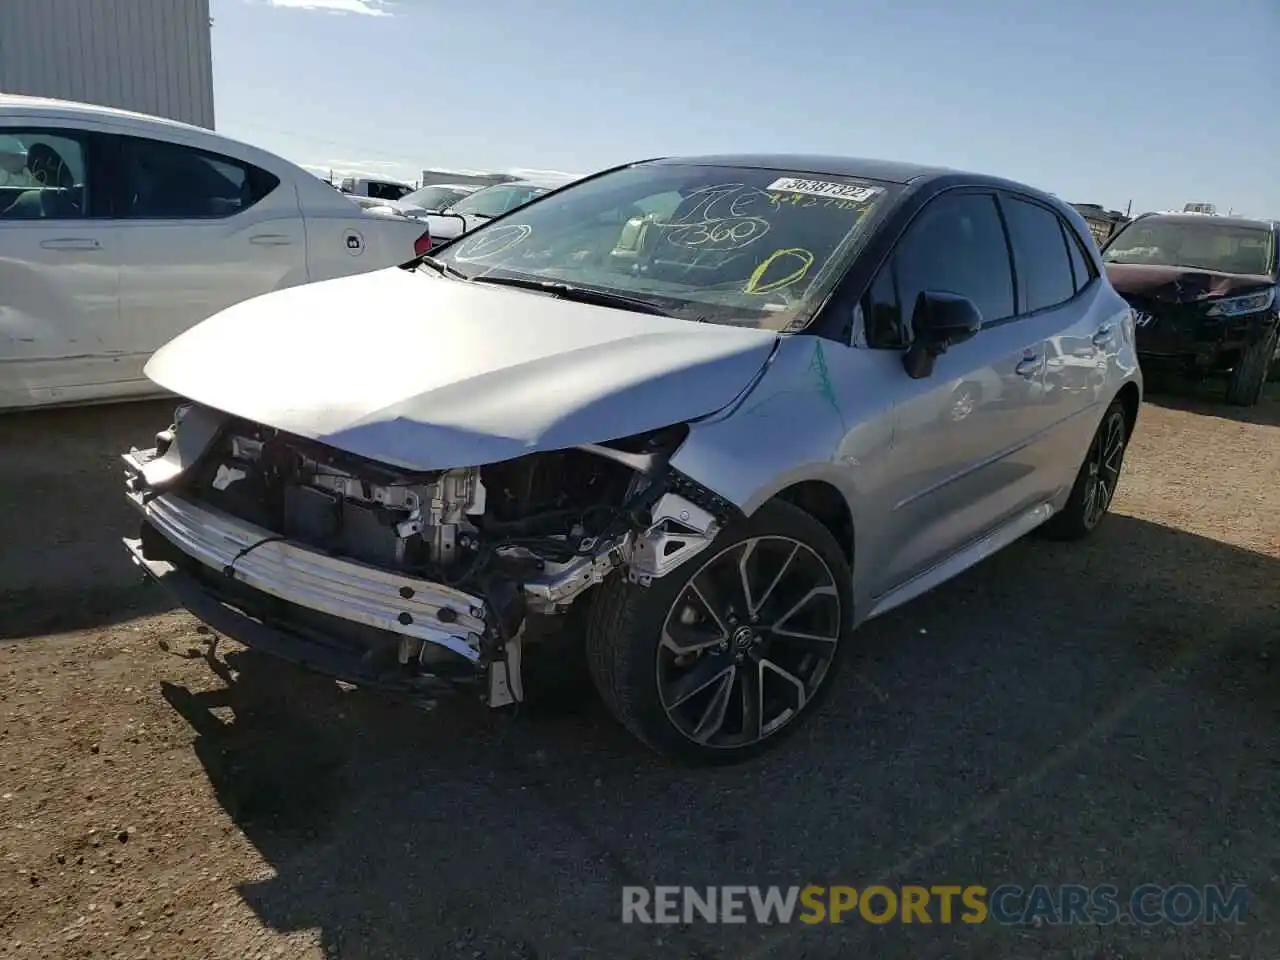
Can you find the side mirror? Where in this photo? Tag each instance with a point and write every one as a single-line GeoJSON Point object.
{"type": "Point", "coordinates": [939, 320]}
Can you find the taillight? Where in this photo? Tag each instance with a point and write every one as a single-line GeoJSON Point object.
{"type": "Point", "coordinates": [422, 246]}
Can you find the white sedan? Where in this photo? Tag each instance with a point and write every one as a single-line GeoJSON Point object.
{"type": "Point", "coordinates": [119, 231]}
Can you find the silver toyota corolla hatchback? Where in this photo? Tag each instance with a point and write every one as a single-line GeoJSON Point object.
{"type": "Point", "coordinates": [702, 417]}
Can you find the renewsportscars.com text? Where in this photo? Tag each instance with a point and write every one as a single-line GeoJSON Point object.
{"type": "Point", "coordinates": [1009, 904]}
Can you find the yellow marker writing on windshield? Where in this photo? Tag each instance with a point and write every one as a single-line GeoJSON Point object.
{"type": "Point", "coordinates": [755, 286]}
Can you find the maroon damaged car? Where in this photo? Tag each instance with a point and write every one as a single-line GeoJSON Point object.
{"type": "Point", "coordinates": [1204, 293]}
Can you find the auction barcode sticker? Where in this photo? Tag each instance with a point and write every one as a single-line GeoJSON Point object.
{"type": "Point", "coordinates": [824, 188]}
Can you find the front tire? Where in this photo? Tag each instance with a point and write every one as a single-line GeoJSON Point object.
{"type": "Point", "coordinates": [728, 654]}
{"type": "Point", "coordinates": [1096, 482]}
{"type": "Point", "coordinates": [1249, 378]}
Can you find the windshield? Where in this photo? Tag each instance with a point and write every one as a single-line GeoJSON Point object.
{"type": "Point", "coordinates": [434, 198]}
{"type": "Point", "coordinates": [1223, 248]}
{"type": "Point", "coordinates": [496, 200]}
{"type": "Point", "coordinates": [720, 244]}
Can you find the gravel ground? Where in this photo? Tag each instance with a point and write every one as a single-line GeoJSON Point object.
{"type": "Point", "coordinates": [1092, 713]}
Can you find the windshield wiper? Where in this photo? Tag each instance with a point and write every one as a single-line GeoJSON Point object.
{"type": "Point", "coordinates": [442, 268]}
{"type": "Point", "coordinates": [567, 291]}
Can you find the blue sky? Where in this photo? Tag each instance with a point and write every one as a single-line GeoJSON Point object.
{"type": "Point", "coordinates": [1106, 102]}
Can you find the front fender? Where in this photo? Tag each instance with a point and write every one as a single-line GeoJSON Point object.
{"type": "Point", "coordinates": [796, 425]}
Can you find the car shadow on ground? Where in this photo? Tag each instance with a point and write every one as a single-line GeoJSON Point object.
{"type": "Point", "coordinates": [1206, 399]}
{"type": "Point", "coordinates": [62, 514]}
{"type": "Point", "coordinates": [1061, 714]}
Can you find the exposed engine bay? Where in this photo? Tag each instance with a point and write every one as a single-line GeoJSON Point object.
{"type": "Point", "coordinates": [528, 535]}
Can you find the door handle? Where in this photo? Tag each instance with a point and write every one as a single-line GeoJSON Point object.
{"type": "Point", "coordinates": [1103, 335]}
{"type": "Point", "coordinates": [1028, 367]}
{"type": "Point", "coordinates": [271, 239]}
{"type": "Point", "coordinates": [71, 243]}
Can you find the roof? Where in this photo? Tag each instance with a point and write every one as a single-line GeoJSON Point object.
{"type": "Point", "coordinates": [1181, 217]}
{"type": "Point", "coordinates": [889, 171]}
{"type": "Point", "coordinates": [12, 103]}
{"type": "Point", "coordinates": [74, 113]}
{"type": "Point", "coordinates": [550, 182]}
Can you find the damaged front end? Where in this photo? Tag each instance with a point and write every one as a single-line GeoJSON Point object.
{"type": "Point", "coordinates": [404, 580]}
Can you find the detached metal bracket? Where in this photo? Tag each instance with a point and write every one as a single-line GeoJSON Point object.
{"type": "Point", "coordinates": [678, 531]}
{"type": "Point", "coordinates": [506, 681]}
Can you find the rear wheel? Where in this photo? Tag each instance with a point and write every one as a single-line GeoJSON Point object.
{"type": "Point", "coordinates": [722, 658]}
{"type": "Point", "coordinates": [1096, 482]}
{"type": "Point", "coordinates": [1249, 378]}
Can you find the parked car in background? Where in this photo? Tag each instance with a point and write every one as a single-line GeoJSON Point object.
{"type": "Point", "coordinates": [703, 413]}
{"type": "Point", "coordinates": [373, 189]}
{"type": "Point", "coordinates": [1203, 288]}
{"type": "Point", "coordinates": [428, 199]}
{"type": "Point", "coordinates": [1102, 222]}
{"type": "Point", "coordinates": [367, 203]}
{"type": "Point", "coordinates": [486, 204]}
{"type": "Point", "coordinates": [118, 231]}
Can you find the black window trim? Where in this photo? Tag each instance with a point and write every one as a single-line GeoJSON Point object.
{"type": "Point", "coordinates": [997, 198]}
{"type": "Point", "coordinates": [1064, 226]}
{"type": "Point", "coordinates": [1082, 245]}
{"type": "Point", "coordinates": [126, 141]}
{"type": "Point", "coordinates": [891, 265]}
{"type": "Point", "coordinates": [1070, 238]}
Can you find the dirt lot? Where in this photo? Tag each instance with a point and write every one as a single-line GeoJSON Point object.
{"type": "Point", "coordinates": [1063, 714]}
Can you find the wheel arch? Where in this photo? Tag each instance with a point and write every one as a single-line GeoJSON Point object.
{"type": "Point", "coordinates": [1131, 397]}
{"type": "Point", "coordinates": [825, 503]}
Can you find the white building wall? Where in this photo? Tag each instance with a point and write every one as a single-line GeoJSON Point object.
{"type": "Point", "coordinates": [152, 56]}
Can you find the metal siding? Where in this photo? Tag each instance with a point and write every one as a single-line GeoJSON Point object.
{"type": "Point", "coordinates": [152, 56]}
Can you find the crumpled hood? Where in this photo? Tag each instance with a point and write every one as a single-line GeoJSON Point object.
{"type": "Point", "coordinates": [424, 372]}
{"type": "Point", "coordinates": [1180, 284]}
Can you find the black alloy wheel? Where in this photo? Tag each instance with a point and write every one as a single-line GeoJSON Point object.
{"type": "Point", "coordinates": [1096, 482]}
{"type": "Point", "coordinates": [726, 655]}
{"type": "Point", "coordinates": [748, 641]}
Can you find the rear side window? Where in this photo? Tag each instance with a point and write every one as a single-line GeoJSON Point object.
{"type": "Point", "coordinates": [169, 181]}
{"type": "Point", "coordinates": [1082, 269]}
{"type": "Point", "coordinates": [957, 245]}
{"type": "Point", "coordinates": [43, 175]}
{"type": "Point", "coordinates": [1045, 276]}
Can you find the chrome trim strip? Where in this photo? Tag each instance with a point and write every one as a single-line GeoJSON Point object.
{"type": "Point", "coordinates": [342, 588]}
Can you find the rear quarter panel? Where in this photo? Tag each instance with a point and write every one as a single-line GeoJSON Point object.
{"type": "Point", "coordinates": [1088, 376]}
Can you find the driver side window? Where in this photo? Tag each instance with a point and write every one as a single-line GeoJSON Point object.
{"type": "Point", "coordinates": [955, 245]}
{"type": "Point", "coordinates": [43, 175]}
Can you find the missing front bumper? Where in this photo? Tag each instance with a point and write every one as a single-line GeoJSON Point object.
{"type": "Point", "coordinates": [381, 599]}
{"type": "Point", "coordinates": [378, 627]}
{"type": "Point", "coordinates": [368, 626]}
{"type": "Point", "coordinates": [305, 649]}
